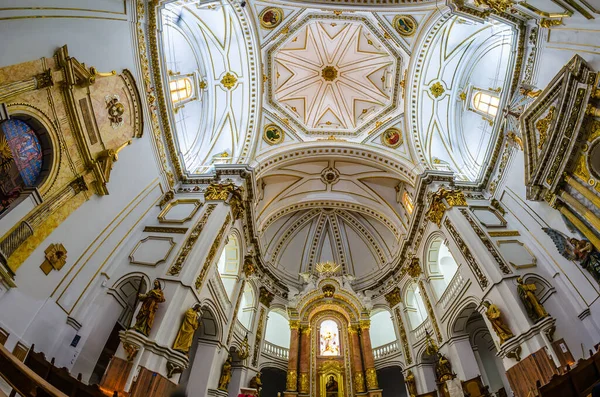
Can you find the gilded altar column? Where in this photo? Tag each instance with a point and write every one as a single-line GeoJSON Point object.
{"type": "Point", "coordinates": [357, 367]}
{"type": "Point", "coordinates": [304, 379]}
{"type": "Point", "coordinates": [368, 358]}
{"type": "Point", "coordinates": [292, 372]}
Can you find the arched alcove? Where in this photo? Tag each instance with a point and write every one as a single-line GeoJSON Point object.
{"type": "Point", "coordinates": [278, 329]}
{"type": "Point", "coordinates": [229, 264]}
{"type": "Point", "coordinates": [391, 380]}
{"type": "Point", "coordinates": [382, 328]}
{"type": "Point", "coordinates": [414, 306]}
{"type": "Point", "coordinates": [245, 313]}
{"type": "Point", "coordinates": [441, 265]}
{"type": "Point", "coordinates": [273, 380]}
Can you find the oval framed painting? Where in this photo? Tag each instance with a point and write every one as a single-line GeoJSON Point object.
{"type": "Point", "coordinates": [405, 25]}
{"type": "Point", "coordinates": [392, 137]}
{"type": "Point", "coordinates": [273, 134]}
{"type": "Point", "coordinates": [270, 17]}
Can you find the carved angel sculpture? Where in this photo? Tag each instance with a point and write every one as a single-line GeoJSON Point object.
{"type": "Point", "coordinates": [581, 251]}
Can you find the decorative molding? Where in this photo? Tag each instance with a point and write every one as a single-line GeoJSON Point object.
{"type": "Point", "coordinates": [504, 233]}
{"type": "Point", "coordinates": [165, 229]}
{"type": "Point", "coordinates": [403, 338]}
{"type": "Point", "coordinates": [211, 254]}
{"type": "Point", "coordinates": [145, 241]}
{"type": "Point", "coordinates": [393, 297]}
{"type": "Point", "coordinates": [437, 207]}
{"type": "Point", "coordinates": [430, 311]}
{"type": "Point", "coordinates": [163, 216]}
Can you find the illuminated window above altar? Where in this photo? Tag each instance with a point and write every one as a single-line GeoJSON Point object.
{"type": "Point", "coordinates": [329, 338]}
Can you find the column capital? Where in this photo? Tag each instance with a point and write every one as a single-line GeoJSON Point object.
{"type": "Point", "coordinates": [295, 324]}
{"type": "Point", "coordinates": [364, 325]}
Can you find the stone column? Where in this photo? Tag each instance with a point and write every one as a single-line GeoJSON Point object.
{"type": "Point", "coordinates": [12, 89]}
{"type": "Point", "coordinates": [357, 367]}
{"type": "Point", "coordinates": [304, 378]}
{"type": "Point", "coordinates": [367, 353]}
{"type": "Point", "coordinates": [291, 384]}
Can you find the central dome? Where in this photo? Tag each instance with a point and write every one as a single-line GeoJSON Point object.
{"type": "Point", "coordinates": [333, 75]}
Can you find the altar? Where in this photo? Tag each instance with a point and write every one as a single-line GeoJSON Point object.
{"type": "Point", "coordinates": [330, 346]}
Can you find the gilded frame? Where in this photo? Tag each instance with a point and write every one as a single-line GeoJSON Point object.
{"type": "Point", "coordinates": [499, 243]}
{"type": "Point", "coordinates": [160, 260]}
{"type": "Point", "coordinates": [493, 210]}
{"type": "Point", "coordinates": [162, 217]}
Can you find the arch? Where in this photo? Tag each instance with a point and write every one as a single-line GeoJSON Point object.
{"type": "Point", "coordinates": [228, 264]}
{"type": "Point", "coordinates": [211, 327]}
{"type": "Point", "coordinates": [277, 330]}
{"type": "Point", "coordinates": [457, 321]}
{"type": "Point", "coordinates": [414, 305]}
{"type": "Point", "coordinates": [441, 266]}
{"type": "Point", "coordinates": [245, 314]}
{"type": "Point", "coordinates": [382, 327]}
{"type": "Point", "coordinates": [273, 378]}
{"type": "Point", "coordinates": [544, 288]}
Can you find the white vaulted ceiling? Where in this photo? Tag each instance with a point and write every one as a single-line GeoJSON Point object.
{"type": "Point", "coordinates": [329, 209]}
{"type": "Point", "coordinates": [333, 75]}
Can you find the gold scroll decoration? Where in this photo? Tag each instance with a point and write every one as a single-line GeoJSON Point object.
{"type": "Point", "coordinates": [371, 375]}
{"type": "Point", "coordinates": [176, 267]}
{"type": "Point", "coordinates": [291, 380]}
{"type": "Point", "coordinates": [226, 191]}
{"type": "Point", "coordinates": [437, 207]}
{"type": "Point", "coordinates": [393, 297]}
{"type": "Point", "coordinates": [430, 311]}
{"type": "Point", "coordinates": [414, 267]}
{"type": "Point", "coordinates": [258, 339]}
{"type": "Point", "coordinates": [265, 297]}
{"type": "Point", "coordinates": [212, 253]}
{"type": "Point", "coordinates": [403, 337]}
{"type": "Point", "coordinates": [304, 383]}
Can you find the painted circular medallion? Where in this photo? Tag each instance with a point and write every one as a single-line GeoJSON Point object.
{"type": "Point", "coordinates": [392, 137]}
{"type": "Point", "coordinates": [271, 17]}
{"type": "Point", "coordinates": [273, 134]}
{"type": "Point", "coordinates": [405, 25]}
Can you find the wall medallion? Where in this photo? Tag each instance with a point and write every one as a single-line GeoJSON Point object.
{"type": "Point", "coordinates": [115, 110]}
{"type": "Point", "coordinates": [405, 25]}
{"type": "Point", "coordinates": [273, 134]}
{"type": "Point", "coordinates": [55, 257]}
{"type": "Point", "coordinates": [392, 137]}
{"type": "Point", "coordinates": [271, 17]}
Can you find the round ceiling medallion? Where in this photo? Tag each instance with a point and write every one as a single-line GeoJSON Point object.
{"type": "Point", "coordinates": [271, 17]}
{"type": "Point", "coordinates": [392, 137]}
{"type": "Point", "coordinates": [330, 175]}
{"type": "Point", "coordinates": [273, 134]}
{"type": "Point", "coordinates": [329, 73]}
{"type": "Point", "coordinates": [405, 25]}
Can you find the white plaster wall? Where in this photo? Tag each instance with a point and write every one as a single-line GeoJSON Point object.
{"type": "Point", "coordinates": [382, 329]}
{"type": "Point", "coordinates": [278, 330]}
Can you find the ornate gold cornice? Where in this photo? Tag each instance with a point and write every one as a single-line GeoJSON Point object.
{"type": "Point", "coordinates": [393, 297]}
{"type": "Point", "coordinates": [439, 199]}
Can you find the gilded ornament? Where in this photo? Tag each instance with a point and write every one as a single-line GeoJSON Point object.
{"type": "Point", "coordinates": [329, 73]}
{"type": "Point", "coordinates": [44, 79]}
{"type": "Point", "coordinates": [371, 376]}
{"type": "Point", "coordinates": [359, 382]}
{"type": "Point", "coordinates": [291, 381]}
{"type": "Point", "coordinates": [392, 137]}
{"type": "Point", "coordinates": [211, 254]}
{"type": "Point", "coordinates": [256, 382]}
{"type": "Point", "coordinates": [437, 208]}
{"type": "Point", "coordinates": [115, 110]}
{"type": "Point", "coordinates": [294, 324]}
{"type": "Point", "coordinates": [405, 25]}
{"type": "Point", "coordinates": [131, 350]}
{"type": "Point", "coordinates": [55, 257]}
{"type": "Point", "coordinates": [498, 324]}
{"type": "Point", "coordinates": [364, 324]}
{"type": "Point", "coordinates": [176, 267]}
{"type": "Point", "coordinates": [411, 384]}
{"type": "Point", "coordinates": [535, 310]}
{"type": "Point", "coordinates": [273, 134]}
{"type": "Point", "coordinates": [249, 267]}
{"type": "Point", "coordinates": [270, 17]}
{"type": "Point", "coordinates": [414, 267]}
{"type": "Point", "coordinates": [304, 383]}
{"type": "Point", "coordinates": [258, 339]}
{"type": "Point", "coordinates": [443, 369]}
{"type": "Point", "coordinates": [327, 269]}
{"type": "Point", "coordinates": [548, 23]}
{"type": "Point", "coordinates": [265, 296]}
{"type": "Point", "coordinates": [542, 125]}
{"type": "Point", "coordinates": [328, 290]}
{"type": "Point", "coordinates": [463, 96]}
{"type": "Point", "coordinates": [166, 198]}
{"type": "Point", "coordinates": [403, 337]}
{"type": "Point", "coordinates": [498, 6]}
{"type": "Point", "coordinates": [473, 265]}
{"type": "Point", "coordinates": [430, 311]}
{"type": "Point", "coordinates": [228, 81]}
{"type": "Point", "coordinates": [437, 89]}
{"type": "Point", "coordinates": [393, 297]}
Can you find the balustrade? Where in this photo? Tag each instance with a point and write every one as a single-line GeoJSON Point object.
{"type": "Point", "coordinates": [386, 350]}
{"type": "Point", "coordinates": [452, 290]}
{"type": "Point", "coordinates": [419, 332]}
{"type": "Point", "coordinates": [275, 351]}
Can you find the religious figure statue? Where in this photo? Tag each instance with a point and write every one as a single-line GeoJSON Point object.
{"type": "Point", "coordinates": [256, 383]}
{"type": "Point", "coordinates": [411, 384]}
{"type": "Point", "coordinates": [495, 316]}
{"type": "Point", "coordinates": [534, 308]}
{"type": "Point", "coordinates": [150, 301]}
{"type": "Point", "coordinates": [581, 251]}
{"type": "Point", "coordinates": [331, 387]}
{"type": "Point", "coordinates": [443, 369]}
{"type": "Point", "coordinates": [225, 374]}
{"type": "Point", "coordinates": [189, 325]}
{"type": "Point", "coordinates": [499, 6]}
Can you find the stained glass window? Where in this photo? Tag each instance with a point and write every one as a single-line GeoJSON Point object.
{"type": "Point", "coordinates": [20, 159]}
{"type": "Point", "coordinates": [329, 338]}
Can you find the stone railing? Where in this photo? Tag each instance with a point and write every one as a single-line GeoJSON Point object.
{"type": "Point", "coordinates": [239, 329]}
{"type": "Point", "coordinates": [275, 351]}
{"type": "Point", "coordinates": [386, 350]}
{"type": "Point", "coordinates": [419, 332]}
{"type": "Point", "coordinates": [452, 290]}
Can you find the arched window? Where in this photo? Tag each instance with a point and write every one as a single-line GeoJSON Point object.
{"type": "Point", "coordinates": [486, 103]}
{"type": "Point", "coordinates": [415, 307]}
{"type": "Point", "coordinates": [181, 89]}
{"type": "Point", "coordinates": [382, 328]}
{"type": "Point", "coordinates": [246, 310]}
{"type": "Point", "coordinates": [278, 329]}
{"type": "Point", "coordinates": [441, 266]}
{"type": "Point", "coordinates": [229, 263]}
{"type": "Point", "coordinates": [408, 203]}
{"type": "Point", "coordinates": [329, 338]}
{"type": "Point", "coordinates": [20, 160]}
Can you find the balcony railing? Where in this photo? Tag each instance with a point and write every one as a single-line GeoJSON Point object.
{"type": "Point", "coordinates": [387, 350]}
{"type": "Point", "coordinates": [275, 351]}
{"type": "Point", "coordinates": [419, 332]}
{"type": "Point", "coordinates": [239, 329]}
{"type": "Point", "coordinates": [451, 292]}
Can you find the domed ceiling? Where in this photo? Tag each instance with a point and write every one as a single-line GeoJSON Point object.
{"type": "Point", "coordinates": [333, 75]}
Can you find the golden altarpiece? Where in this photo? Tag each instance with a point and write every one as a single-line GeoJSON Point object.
{"type": "Point", "coordinates": [330, 345]}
